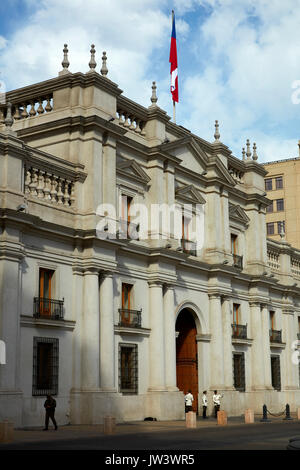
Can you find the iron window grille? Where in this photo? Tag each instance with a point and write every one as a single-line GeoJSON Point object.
{"type": "Point", "coordinates": [239, 371]}
{"type": "Point", "coordinates": [130, 318]}
{"type": "Point", "coordinates": [275, 372]}
{"type": "Point", "coordinates": [45, 366]}
{"type": "Point", "coordinates": [239, 331]}
{"type": "Point", "coordinates": [237, 261]}
{"type": "Point", "coordinates": [48, 308]}
{"type": "Point", "coordinates": [275, 336]}
{"type": "Point", "coordinates": [128, 368]}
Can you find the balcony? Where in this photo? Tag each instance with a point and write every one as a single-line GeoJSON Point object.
{"type": "Point", "coordinates": [128, 230]}
{"type": "Point", "coordinates": [48, 308]}
{"type": "Point", "coordinates": [239, 331]}
{"type": "Point", "coordinates": [275, 336]}
{"type": "Point", "coordinates": [130, 318]}
{"type": "Point", "coordinates": [188, 247]}
{"type": "Point", "coordinates": [237, 261]}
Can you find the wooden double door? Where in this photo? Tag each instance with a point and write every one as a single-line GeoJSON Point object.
{"type": "Point", "coordinates": [186, 355]}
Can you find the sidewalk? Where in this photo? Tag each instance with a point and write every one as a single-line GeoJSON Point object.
{"type": "Point", "coordinates": [70, 432]}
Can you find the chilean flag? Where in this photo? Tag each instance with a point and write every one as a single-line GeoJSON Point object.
{"type": "Point", "coordinates": [173, 61]}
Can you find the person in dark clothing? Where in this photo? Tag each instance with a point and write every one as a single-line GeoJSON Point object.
{"type": "Point", "coordinates": [50, 405]}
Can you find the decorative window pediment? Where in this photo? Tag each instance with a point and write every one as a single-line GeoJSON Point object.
{"type": "Point", "coordinates": [132, 170]}
{"type": "Point", "coordinates": [238, 214]}
{"type": "Point", "coordinates": [189, 194]}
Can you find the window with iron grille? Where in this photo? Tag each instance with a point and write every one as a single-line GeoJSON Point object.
{"type": "Point", "coordinates": [45, 366]}
{"type": "Point", "coordinates": [239, 371]}
{"type": "Point", "coordinates": [275, 371]}
{"type": "Point", "coordinates": [270, 207]}
{"type": "Point", "coordinates": [128, 368]}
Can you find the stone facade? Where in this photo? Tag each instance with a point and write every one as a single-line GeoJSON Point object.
{"type": "Point", "coordinates": [73, 143]}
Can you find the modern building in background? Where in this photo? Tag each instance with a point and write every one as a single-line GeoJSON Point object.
{"type": "Point", "coordinates": [126, 326]}
{"type": "Point", "coordinates": [282, 185]}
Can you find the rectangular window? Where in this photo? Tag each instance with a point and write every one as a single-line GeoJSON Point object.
{"type": "Point", "coordinates": [270, 207]}
{"type": "Point", "coordinates": [272, 320]}
{"type": "Point", "coordinates": [275, 371]}
{"type": "Point", "coordinates": [45, 291]}
{"type": "Point", "coordinates": [280, 204]}
{"type": "Point", "coordinates": [279, 182]}
{"type": "Point", "coordinates": [270, 228]}
{"type": "Point", "coordinates": [234, 244]}
{"type": "Point", "coordinates": [236, 314]}
{"type": "Point", "coordinates": [45, 366]}
{"type": "Point", "coordinates": [268, 184]}
{"type": "Point", "coordinates": [239, 371]}
{"type": "Point", "coordinates": [128, 368]}
{"type": "Point", "coordinates": [126, 303]}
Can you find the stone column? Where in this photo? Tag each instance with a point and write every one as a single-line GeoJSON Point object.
{"type": "Point", "coordinates": [216, 345]}
{"type": "Point", "coordinates": [227, 339]}
{"type": "Point", "coordinates": [266, 362]}
{"type": "Point", "coordinates": [156, 340]}
{"type": "Point", "coordinates": [90, 333]}
{"type": "Point", "coordinates": [257, 347]}
{"type": "Point", "coordinates": [170, 338]}
{"type": "Point", "coordinates": [107, 346]}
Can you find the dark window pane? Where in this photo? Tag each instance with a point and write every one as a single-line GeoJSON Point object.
{"type": "Point", "coordinates": [270, 228]}
{"type": "Point", "coordinates": [239, 371]}
{"type": "Point", "coordinates": [45, 366]}
{"type": "Point", "coordinates": [270, 207]}
{"type": "Point", "coordinates": [279, 182]}
{"type": "Point", "coordinates": [275, 371]}
{"type": "Point", "coordinates": [280, 204]}
{"type": "Point", "coordinates": [268, 184]}
{"type": "Point", "coordinates": [128, 368]}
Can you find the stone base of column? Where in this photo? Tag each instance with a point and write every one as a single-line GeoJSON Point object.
{"type": "Point", "coordinates": [11, 406]}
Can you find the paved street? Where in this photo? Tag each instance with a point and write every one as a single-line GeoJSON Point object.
{"type": "Point", "coordinates": [161, 436]}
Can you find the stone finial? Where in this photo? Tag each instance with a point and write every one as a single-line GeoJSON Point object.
{"type": "Point", "coordinates": [244, 154]}
{"type": "Point", "coordinates": [255, 156]}
{"type": "Point", "coordinates": [104, 69]}
{"type": "Point", "coordinates": [65, 63]}
{"type": "Point", "coordinates": [217, 133]}
{"type": "Point", "coordinates": [248, 153]}
{"type": "Point", "coordinates": [153, 96]}
{"type": "Point", "coordinates": [8, 121]}
{"type": "Point", "coordinates": [92, 62]}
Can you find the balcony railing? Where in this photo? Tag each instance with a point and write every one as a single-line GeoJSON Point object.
{"type": "Point", "coordinates": [275, 336]}
{"type": "Point", "coordinates": [130, 318]}
{"type": "Point", "coordinates": [48, 308]}
{"type": "Point", "coordinates": [128, 230]}
{"type": "Point", "coordinates": [237, 261]}
{"type": "Point", "coordinates": [239, 331]}
{"type": "Point", "coordinates": [188, 247]}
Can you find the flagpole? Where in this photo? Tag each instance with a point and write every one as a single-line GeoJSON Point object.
{"type": "Point", "coordinates": [174, 113]}
{"type": "Point", "coordinates": [174, 106]}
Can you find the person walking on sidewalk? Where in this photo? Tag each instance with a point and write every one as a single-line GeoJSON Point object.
{"type": "Point", "coordinates": [204, 404]}
{"type": "Point", "coordinates": [50, 405]}
{"type": "Point", "coordinates": [189, 401]}
{"type": "Point", "coordinates": [217, 402]}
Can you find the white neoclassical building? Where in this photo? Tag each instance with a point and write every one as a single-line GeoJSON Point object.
{"type": "Point", "coordinates": [125, 325]}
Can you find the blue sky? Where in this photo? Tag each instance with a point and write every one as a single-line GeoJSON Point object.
{"type": "Point", "coordinates": [238, 59]}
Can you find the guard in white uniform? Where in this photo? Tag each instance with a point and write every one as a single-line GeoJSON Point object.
{"type": "Point", "coordinates": [188, 401]}
{"type": "Point", "coordinates": [217, 401]}
{"type": "Point", "coordinates": [204, 404]}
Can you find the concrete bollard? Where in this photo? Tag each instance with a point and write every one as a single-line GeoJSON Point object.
{"type": "Point", "coordinates": [109, 425]}
{"type": "Point", "coordinates": [249, 416]}
{"type": "Point", "coordinates": [298, 413]}
{"type": "Point", "coordinates": [222, 418]}
{"type": "Point", "coordinates": [6, 431]}
{"type": "Point", "coordinates": [190, 419]}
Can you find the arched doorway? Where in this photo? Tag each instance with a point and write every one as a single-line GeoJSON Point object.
{"type": "Point", "coordinates": [186, 355]}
